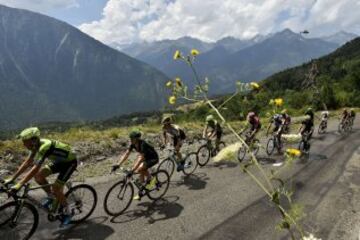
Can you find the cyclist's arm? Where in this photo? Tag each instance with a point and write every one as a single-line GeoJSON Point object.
{"type": "Point", "coordinates": [23, 167]}
{"type": "Point", "coordinates": [138, 161]}
{"type": "Point", "coordinates": [164, 138]}
{"type": "Point", "coordinates": [124, 157]}
{"type": "Point", "coordinates": [268, 128]}
{"type": "Point", "coordinates": [30, 174]}
{"type": "Point", "coordinates": [301, 128]}
{"type": "Point", "coordinates": [205, 131]}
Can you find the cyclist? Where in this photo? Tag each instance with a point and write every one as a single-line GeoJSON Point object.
{"type": "Point", "coordinates": [344, 115]}
{"type": "Point", "coordinates": [146, 159]}
{"type": "Point", "coordinates": [254, 121]}
{"type": "Point", "coordinates": [278, 121]}
{"type": "Point", "coordinates": [307, 125]}
{"type": "Point", "coordinates": [62, 161]}
{"type": "Point", "coordinates": [352, 116]}
{"type": "Point", "coordinates": [178, 136]}
{"type": "Point", "coordinates": [324, 117]}
{"type": "Point", "coordinates": [215, 130]}
{"type": "Point", "coordinates": [286, 120]}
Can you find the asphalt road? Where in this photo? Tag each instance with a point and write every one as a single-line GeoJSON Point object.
{"type": "Point", "coordinates": [221, 202]}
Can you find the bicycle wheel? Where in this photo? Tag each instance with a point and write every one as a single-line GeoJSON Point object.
{"type": "Point", "coordinates": [204, 154]}
{"type": "Point", "coordinates": [341, 128]}
{"type": "Point", "coordinates": [162, 185]}
{"type": "Point", "coordinates": [304, 147]}
{"type": "Point", "coordinates": [118, 198]}
{"type": "Point", "coordinates": [241, 153]}
{"type": "Point", "coordinates": [167, 165]}
{"type": "Point", "coordinates": [24, 226]}
{"type": "Point", "coordinates": [270, 146]}
{"type": "Point", "coordinates": [191, 163]}
{"type": "Point", "coordinates": [255, 146]}
{"type": "Point", "coordinates": [82, 200]}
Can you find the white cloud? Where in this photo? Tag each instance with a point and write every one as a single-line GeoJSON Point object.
{"type": "Point", "coordinates": [126, 21]}
{"type": "Point", "coordinates": [42, 6]}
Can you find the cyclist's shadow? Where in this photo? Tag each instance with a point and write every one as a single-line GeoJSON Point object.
{"type": "Point", "coordinates": [194, 181]}
{"type": "Point", "coordinates": [159, 210]}
{"type": "Point", "coordinates": [91, 229]}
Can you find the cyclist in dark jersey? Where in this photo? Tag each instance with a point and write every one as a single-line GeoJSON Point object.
{"type": "Point", "coordinates": [307, 125]}
{"type": "Point", "coordinates": [178, 135]}
{"type": "Point", "coordinates": [286, 120]}
{"type": "Point", "coordinates": [61, 160]}
{"type": "Point", "coordinates": [255, 125]}
{"type": "Point", "coordinates": [278, 121]}
{"type": "Point", "coordinates": [215, 130]}
{"type": "Point", "coordinates": [146, 159]}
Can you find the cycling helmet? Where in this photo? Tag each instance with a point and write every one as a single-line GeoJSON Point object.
{"type": "Point", "coordinates": [251, 115]}
{"type": "Point", "coordinates": [135, 133]}
{"type": "Point", "coordinates": [29, 133]}
{"type": "Point", "coordinates": [309, 111]}
{"type": "Point", "coordinates": [277, 116]}
{"type": "Point", "coordinates": [166, 120]}
{"type": "Point", "coordinates": [210, 118]}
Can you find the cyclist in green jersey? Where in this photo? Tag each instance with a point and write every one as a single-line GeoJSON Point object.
{"type": "Point", "coordinates": [215, 130]}
{"type": "Point", "coordinates": [61, 160]}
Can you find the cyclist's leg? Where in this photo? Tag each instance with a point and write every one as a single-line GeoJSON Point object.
{"type": "Point", "coordinates": [218, 139]}
{"type": "Point", "coordinates": [142, 170]}
{"type": "Point", "coordinates": [178, 145]}
{"type": "Point", "coordinates": [40, 178]}
{"type": "Point", "coordinates": [65, 171]}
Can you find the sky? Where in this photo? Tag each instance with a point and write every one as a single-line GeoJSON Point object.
{"type": "Point", "coordinates": [126, 21]}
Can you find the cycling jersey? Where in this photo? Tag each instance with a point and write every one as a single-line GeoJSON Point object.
{"type": "Point", "coordinates": [308, 125]}
{"type": "Point", "coordinates": [55, 151]}
{"type": "Point", "coordinates": [176, 132]}
{"type": "Point", "coordinates": [352, 114]}
{"type": "Point", "coordinates": [215, 126]}
{"type": "Point", "coordinates": [255, 123]}
{"type": "Point", "coordinates": [146, 149]}
{"type": "Point", "coordinates": [287, 119]}
{"type": "Point", "coordinates": [325, 115]}
{"type": "Point", "coordinates": [61, 159]}
{"type": "Point", "coordinates": [276, 120]}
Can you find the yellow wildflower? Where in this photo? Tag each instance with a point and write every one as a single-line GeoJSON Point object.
{"type": "Point", "coordinates": [172, 100]}
{"type": "Point", "coordinates": [292, 152]}
{"type": "Point", "coordinates": [169, 84]}
{"type": "Point", "coordinates": [278, 102]}
{"type": "Point", "coordinates": [178, 82]}
{"type": "Point", "coordinates": [177, 55]}
{"type": "Point", "coordinates": [254, 85]}
{"type": "Point", "coordinates": [195, 52]}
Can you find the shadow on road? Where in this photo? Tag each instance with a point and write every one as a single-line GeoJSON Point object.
{"type": "Point", "coordinates": [224, 164]}
{"type": "Point", "coordinates": [160, 210]}
{"type": "Point", "coordinates": [268, 160]}
{"type": "Point", "coordinates": [196, 181]}
{"type": "Point", "coordinates": [91, 229]}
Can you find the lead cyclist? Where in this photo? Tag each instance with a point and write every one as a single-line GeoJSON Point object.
{"type": "Point", "coordinates": [61, 160]}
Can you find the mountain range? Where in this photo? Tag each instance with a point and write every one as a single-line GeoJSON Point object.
{"type": "Point", "coordinates": [231, 59]}
{"type": "Point", "coordinates": [51, 71]}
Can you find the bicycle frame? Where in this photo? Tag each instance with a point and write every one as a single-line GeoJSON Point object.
{"type": "Point", "coordinates": [26, 197]}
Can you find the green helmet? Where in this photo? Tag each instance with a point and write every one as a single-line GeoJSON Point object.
{"type": "Point", "coordinates": [29, 133]}
{"type": "Point", "coordinates": [210, 118]}
{"type": "Point", "coordinates": [135, 133]}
